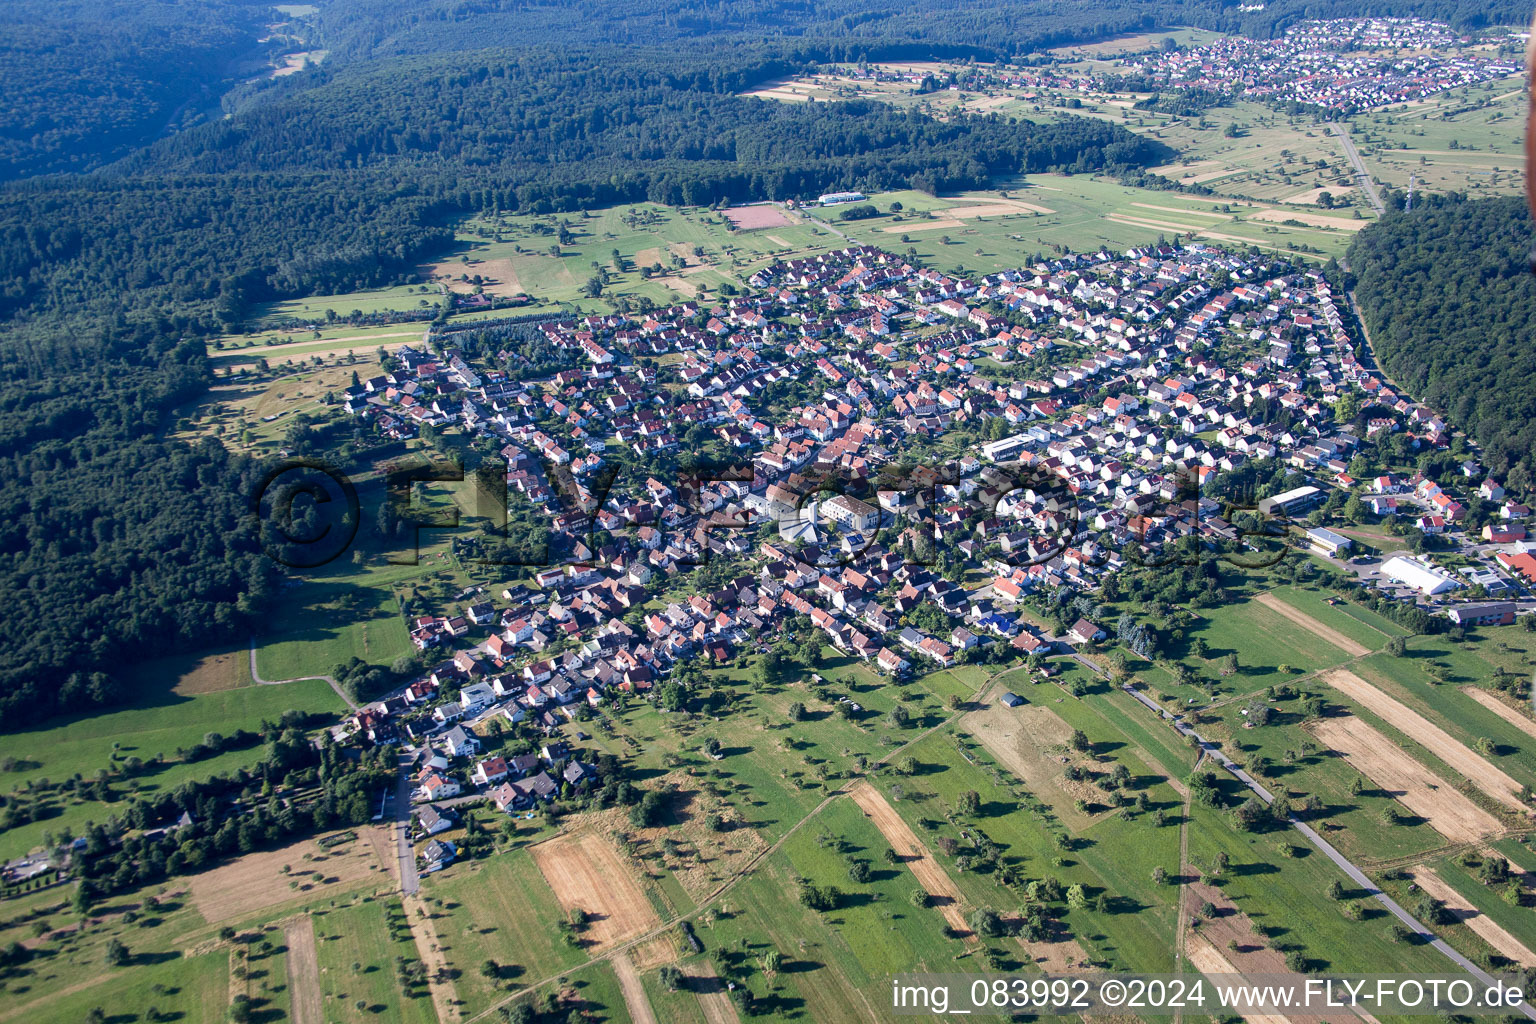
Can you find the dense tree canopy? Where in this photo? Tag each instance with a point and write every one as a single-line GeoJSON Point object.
{"type": "Point", "coordinates": [1449, 300]}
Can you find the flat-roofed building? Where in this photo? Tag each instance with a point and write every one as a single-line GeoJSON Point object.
{"type": "Point", "coordinates": [1422, 576]}
{"type": "Point", "coordinates": [1289, 503]}
{"type": "Point", "coordinates": [1485, 613]}
{"type": "Point", "coordinates": [1326, 542]}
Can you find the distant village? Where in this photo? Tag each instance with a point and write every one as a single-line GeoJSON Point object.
{"type": "Point", "coordinates": [1113, 382]}
{"type": "Point", "coordinates": [1344, 65]}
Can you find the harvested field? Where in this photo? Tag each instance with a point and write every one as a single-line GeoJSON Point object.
{"type": "Point", "coordinates": [927, 225]}
{"type": "Point", "coordinates": [924, 868]}
{"type": "Point", "coordinates": [679, 284]}
{"type": "Point", "coordinates": [703, 858]}
{"type": "Point", "coordinates": [780, 93]}
{"type": "Point", "coordinates": [999, 208]}
{"type": "Point", "coordinates": [1241, 947]}
{"type": "Point", "coordinates": [429, 947]}
{"type": "Point", "coordinates": [1492, 702]}
{"type": "Point", "coordinates": [1309, 197]}
{"type": "Point", "coordinates": [1417, 788]}
{"type": "Point", "coordinates": [1186, 170]}
{"type": "Point", "coordinates": [749, 218]}
{"type": "Point", "coordinates": [1312, 626]}
{"type": "Point", "coordinates": [1180, 209]}
{"type": "Point", "coordinates": [635, 1000]}
{"type": "Point", "coordinates": [1207, 959]}
{"type": "Point", "coordinates": [1143, 222]}
{"type": "Point", "coordinates": [196, 673]}
{"type": "Point", "coordinates": [256, 881]}
{"type": "Point", "coordinates": [714, 999]}
{"type": "Point", "coordinates": [663, 949]}
{"type": "Point", "coordinates": [1020, 739]}
{"type": "Point", "coordinates": [303, 971]}
{"type": "Point", "coordinates": [1467, 914]}
{"type": "Point", "coordinates": [498, 276]}
{"type": "Point", "coordinates": [1316, 220]}
{"type": "Point", "coordinates": [584, 870]}
{"type": "Point", "coordinates": [1473, 766]}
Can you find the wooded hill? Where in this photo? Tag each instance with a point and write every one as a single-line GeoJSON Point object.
{"type": "Point", "coordinates": [1448, 296]}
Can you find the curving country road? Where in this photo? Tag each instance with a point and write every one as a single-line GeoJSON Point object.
{"type": "Point", "coordinates": [1326, 849]}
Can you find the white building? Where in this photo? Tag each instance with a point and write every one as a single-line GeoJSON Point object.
{"type": "Point", "coordinates": [851, 513]}
{"type": "Point", "coordinates": [1419, 574]}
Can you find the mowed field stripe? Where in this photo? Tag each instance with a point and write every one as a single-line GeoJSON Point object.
{"type": "Point", "coordinates": [635, 999]}
{"type": "Point", "coordinates": [1392, 770]}
{"type": "Point", "coordinates": [1503, 710]}
{"type": "Point", "coordinates": [1177, 209]}
{"type": "Point", "coordinates": [303, 971]}
{"type": "Point", "coordinates": [1473, 766]}
{"type": "Point", "coordinates": [1207, 959]}
{"type": "Point", "coordinates": [1311, 625]}
{"type": "Point", "coordinates": [1481, 924]}
{"type": "Point", "coordinates": [922, 865]}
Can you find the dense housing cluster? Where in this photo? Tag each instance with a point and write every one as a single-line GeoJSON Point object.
{"type": "Point", "coordinates": [1344, 66]}
{"type": "Point", "coordinates": [1092, 409]}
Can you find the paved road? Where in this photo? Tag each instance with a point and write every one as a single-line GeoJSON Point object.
{"type": "Point", "coordinates": [256, 676]}
{"type": "Point", "coordinates": [410, 881]}
{"type": "Point", "coordinates": [1366, 184]}
{"type": "Point", "coordinates": [1327, 849]}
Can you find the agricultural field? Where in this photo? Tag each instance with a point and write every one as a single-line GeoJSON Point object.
{"type": "Point", "coordinates": [351, 955]}
{"type": "Point", "coordinates": [1464, 140]}
{"type": "Point", "coordinates": [498, 909]}
{"type": "Point", "coordinates": [253, 414]}
{"type": "Point", "coordinates": [987, 231]}
{"type": "Point", "coordinates": [152, 727]}
{"type": "Point", "coordinates": [664, 255]}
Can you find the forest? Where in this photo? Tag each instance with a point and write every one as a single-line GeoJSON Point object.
{"type": "Point", "coordinates": [85, 80]}
{"type": "Point", "coordinates": [115, 544]}
{"type": "Point", "coordinates": [1448, 299]}
{"type": "Point", "coordinates": [874, 29]}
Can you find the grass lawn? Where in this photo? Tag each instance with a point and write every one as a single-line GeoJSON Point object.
{"type": "Point", "coordinates": [1263, 640]}
{"type": "Point", "coordinates": [598, 995]}
{"type": "Point", "coordinates": [326, 622]}
{"type": "Point", "coordinates": [1466, 140]}
{"type": "Point", "coordinates": [1361, 625]}
{"type": "Point", "coordinates": [1086, 211]}
{"type": "Point", "coordinates": [500, 909]}
{"type": "Point", "coordinates": [882, 932]}
{"type": "Point", "coordinates": [680, 1007]}
{"type": "Point", "coordinates": [1352, 823]}
{"type": "Point", "coordinates": [356, 948]}
{"type": "Point", "coordinates": [156, 724]}
{"type": "Point", "coordinates": [196, 988]}
{"type": "Point", "coordinates": [1518, 921]}
{"type": "Point", "coordinates": [1288, 897]}
{"type": "Point", "coordinates": [1115, 857]}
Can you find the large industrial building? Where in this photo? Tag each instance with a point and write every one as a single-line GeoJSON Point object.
{"type": "Point", "coordinates": [1427, 579]}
